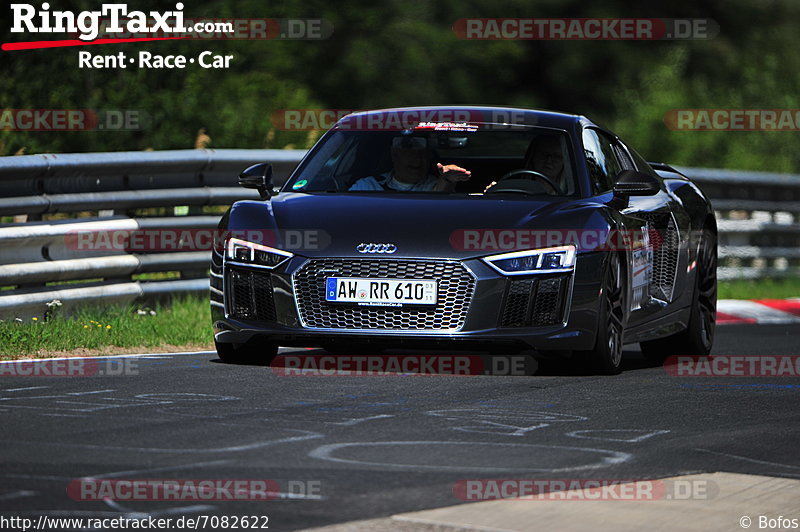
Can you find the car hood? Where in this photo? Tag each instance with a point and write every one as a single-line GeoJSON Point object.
{"type": "Point", "coordinates": [419, 225]}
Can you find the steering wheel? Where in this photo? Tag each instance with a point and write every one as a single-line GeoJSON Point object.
{"type": "Point", "coordinates": [532, 174]}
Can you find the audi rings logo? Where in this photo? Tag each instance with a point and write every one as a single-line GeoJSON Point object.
{"type": "Point", "coordinates": [370, 247]}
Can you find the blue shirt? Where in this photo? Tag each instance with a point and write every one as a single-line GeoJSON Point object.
{"type": "Point", "coordinates": [384, 181]}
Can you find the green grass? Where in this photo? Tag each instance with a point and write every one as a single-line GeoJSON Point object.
{"type": "Point", "coordinates": [185, 321]}
{"type": "Point", "coordinates": [759, 289]}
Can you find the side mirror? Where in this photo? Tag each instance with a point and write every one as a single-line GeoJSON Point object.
{"type": "Point", "coordinates": [633, 183]}
{"type": "Point", "coordinates": [259, 177]}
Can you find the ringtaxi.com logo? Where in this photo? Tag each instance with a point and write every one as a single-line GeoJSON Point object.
{"type": "Point", "coordinates": [115, 23]}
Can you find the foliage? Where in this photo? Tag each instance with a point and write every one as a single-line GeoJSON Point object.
{"type": "Point", "coordinates": [404, 52]}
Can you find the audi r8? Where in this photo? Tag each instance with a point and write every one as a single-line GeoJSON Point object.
{"type": "Point", "coordinates": [480, 228]}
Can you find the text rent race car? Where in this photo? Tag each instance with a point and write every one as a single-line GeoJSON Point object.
{"type": "Point", "coordinates": [469, 227]}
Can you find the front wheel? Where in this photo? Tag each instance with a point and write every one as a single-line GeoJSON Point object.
{"type": "Point", "coordinates": [606, 357]}
{"type": "Point", "coordinates": [257, 352]}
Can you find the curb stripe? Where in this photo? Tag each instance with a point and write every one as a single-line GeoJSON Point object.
{"type": "Point", "coordinates": [784, 305]}
{"type": "Point", "coordinates": [723, 318]}
{"type": "Point", "coordinates": [771, 311]}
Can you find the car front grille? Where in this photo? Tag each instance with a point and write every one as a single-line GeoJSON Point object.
{"type": "Point", "coordinates": [250, 295]}
{"type": "Point", "coordinates": [534, 302]}
{"type": "Point", "coordinates": [455, 289]}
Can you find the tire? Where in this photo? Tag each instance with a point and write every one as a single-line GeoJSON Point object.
{"type": "Point", "coordinates": [698, 337]}
{"type": "Point", "coordinates": [606, 357]}
{"type": "Point", "coordinates": [256, 352]}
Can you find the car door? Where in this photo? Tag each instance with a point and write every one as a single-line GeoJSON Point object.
{"type": "Point", "coordinates": [646, 236]}
{"type": "Point", "coordinates": [670, 229]}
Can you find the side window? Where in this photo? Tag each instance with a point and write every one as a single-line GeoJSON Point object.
{"type": "Point", "coordinates": [623, 157]}
{"type": "Point", "coordinates": [602, 160]}
{"type": "Point", "coordinates": [641, 164]}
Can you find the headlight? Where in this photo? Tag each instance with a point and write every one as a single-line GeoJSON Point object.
{"type": "Point", "coordinates": [549, 260]}
{"type": "Point", "coordinates": [253, 254]}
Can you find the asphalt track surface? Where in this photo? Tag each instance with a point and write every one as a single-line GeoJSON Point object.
{"type": "Point", "coordinates": [350, 448]}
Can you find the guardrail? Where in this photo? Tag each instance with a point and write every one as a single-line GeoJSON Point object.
{"type": "Point", "coordinates": [129, 193]}
{"type": "Point", "coordinates": [63, 196]}
{"type": "Point", "coordinates": [758, 218]}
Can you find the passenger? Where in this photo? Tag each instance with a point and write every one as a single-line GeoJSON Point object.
{"type": "Point", "coordinates": [411, 159]}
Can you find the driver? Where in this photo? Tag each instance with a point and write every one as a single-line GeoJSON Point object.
{"type": "Point", "coordinates": [411, 160]}
{"type": "Point", "coordinates": [544, 155]}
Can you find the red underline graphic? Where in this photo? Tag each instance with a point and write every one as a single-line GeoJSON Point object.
{"type": "Point", "coordinates": [33, 45]}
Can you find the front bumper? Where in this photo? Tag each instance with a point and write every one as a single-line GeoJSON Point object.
{"type": "Point", "coordinates": [478, 307]}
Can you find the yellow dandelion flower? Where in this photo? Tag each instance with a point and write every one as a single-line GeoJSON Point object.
{"type": "Point", "coordinates": [108, 326]}
{"type": "Point", "coordinates": [85, 326]}
{"type": "Point", "coordinates": [35, 318]}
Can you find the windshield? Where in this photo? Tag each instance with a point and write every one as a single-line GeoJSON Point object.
{"type": "Point", "coordinates": [468, 159]}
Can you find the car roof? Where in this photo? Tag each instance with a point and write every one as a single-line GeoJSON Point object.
{"type": "Point", "coordinates": [476, 114]}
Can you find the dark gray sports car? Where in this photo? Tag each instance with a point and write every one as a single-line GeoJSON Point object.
{"type": "Point", "coordinates": [468, 227]}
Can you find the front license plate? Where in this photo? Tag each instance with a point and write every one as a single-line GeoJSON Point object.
{"type": "Point", "coordinates": [380, 292]}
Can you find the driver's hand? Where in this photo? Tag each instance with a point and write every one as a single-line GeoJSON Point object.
{"type": "Point", "coordinates": [453, 173]}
